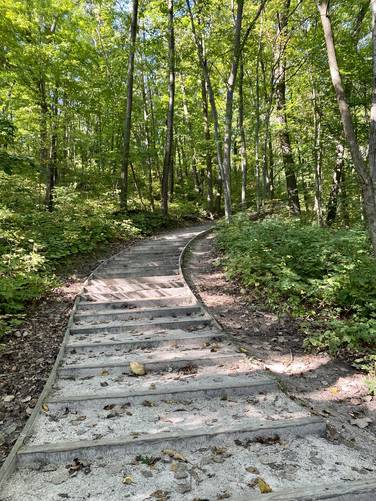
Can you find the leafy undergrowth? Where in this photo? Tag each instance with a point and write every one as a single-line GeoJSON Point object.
{"type": "Point", "coordinates": [326, 278]}
{"type": "Point", "coordinates": [34, 242]}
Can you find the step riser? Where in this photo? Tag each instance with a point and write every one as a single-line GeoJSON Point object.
{"type": "Point", "coordinates": [174, 324]}
{"type": "Point", "coordinates": [64, 453]}
{"type": "Point", "coordinates": [141, 303]}
{"type": "Point", "coordinates": [170, 293]}
{"type": "Point", "coordinates": [137, 266]}
{"type": "Point", "coordinates": [364, 490]}
{"type": "Point", "coordinates": [178, 395]}
{"type": "Point", "coordinates": [156, 366]}
{"type": "Point", "coordinates": [148, 250]}
{"type": "Point", "coordinates": [138, 273]}
{"type": "Point", "coordinates": [139, 290]}
{"type": "Point", "coordinates": [146, 254]}
{"type": "Point", "coordinates": [156, 313]}
{"type": "Point", "coordinates": [128, 317]}
{"type": "Point", "coordinates": [137, 261]}
{"type": "Point", "coordinates": [117, 348]}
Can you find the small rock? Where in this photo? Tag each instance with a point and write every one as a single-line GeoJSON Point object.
{"type": "Point", "coordinates": [181, 472]}
{"type": "Point", "coordinates": [146, 473]}
{"type": "Point", "coordinates": [183, 488]}
{"type": "Point", "coordinates": [8, 398]}
{"type": "Point", "coordinates": [361, 422]}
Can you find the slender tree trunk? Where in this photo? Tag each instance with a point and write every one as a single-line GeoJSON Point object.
{"type": "Point", "coordinates": [271, 166]}
{"type": "Point", "coordinates": [188, 124]}
{"type": "Point", "coordinates": [284, 133]}
{"type": "Point", "coordinates": [43, 138]}
{"type": "Point", "coordinates": [259, 193]}
{"type": "Point", "coordinates": [267, 174]}
{"type": "Point", "coordinates": [128, 111]}
{"type": "Point", "coordinates": [331, 212]}
{"type": "Point", "coordinates": [147, 142]}
{"type": "Point", "coordinates": [213, 106]}
{"type": "Point", "coordinates": [229, 109]}
{"type": "Point", "coordinates": [243, 144]}
{"type": "Point", "coordinates": [137, 186]}
{"type": "Point", "coordinates": [317, 159]}
{"type": "Point", "coordinates": [208, 155]}
{"type": "Point", "coordinates": [169, 143]}
{"type": "Point", "coordinates": [367, 178]}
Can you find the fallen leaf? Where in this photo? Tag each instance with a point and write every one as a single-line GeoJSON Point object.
{"type": "Point", "coordinates": [105, 372]}
{"type": "Point", "coordinates": [137, 369]}
{"type": "Point", "coordinates": [76, 466]}
{"type": "Point", "coordinates": [252, 469]}
{"type": "Point", "coordinates": [334, 390]}
{"type": "Point", "coordinates": [174, 454]}
{"type": "Point", "coordinates": [160, 495]}
{"type": "Point", "coordinates": [45, 408]}
{"type": "Point", "coordinates": [128, 480]}
{"type": "Point", "coordinates": [263, 486]}
{"type": "Point", "coordinates": [243, 350]}
{"type": "Point", "coordinates": [148, 403]}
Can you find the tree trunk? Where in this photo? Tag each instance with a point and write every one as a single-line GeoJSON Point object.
{"type": "Point", "coordinates": [284, 133]}
{"type": "Point", "coordinates": [317, 159]}
{"type": "Point", "coordinates": [43, 138]}
{"type": "Point", "coordinates": [205, 71]}
{"type": "Point", "coordinates": [147, 142]}
{"type": "Point", "coordinates": [236, 51]}
{"type": "Point", "coordinates": [128, 111]}
{"type": "Point", "coordinates": [367, 179]}
{"type": "Point", "coordinates": [208, 156]}
{"type": "Point", "coordinates": [169, 143]}
{"type": "Point", "coordinates": [243, 144]}
{"type": "Point", "coordinates": [331, 212]}
{"type": "Point", "coordinates": [188, 124]}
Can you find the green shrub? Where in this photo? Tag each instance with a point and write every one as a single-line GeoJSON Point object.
{"type": "Point", "coordinates": [33, 242]}
{"type": "Point", "coordinates": [312, 272]}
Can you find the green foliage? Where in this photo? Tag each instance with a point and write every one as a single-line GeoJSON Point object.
{"type": "Point", "coordinates": [323, 275]}
{"type": "Point", "coordinates": [368, 364]}
{"type": "Point", "coordinates": [33, 242]}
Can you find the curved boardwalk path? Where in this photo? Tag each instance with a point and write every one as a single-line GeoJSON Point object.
{"type": "Point", "coordinates": [200, 424]}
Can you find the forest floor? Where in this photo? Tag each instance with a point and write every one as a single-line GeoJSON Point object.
{"type": "Point", "coordinates": [28, 353]}
{"type": "Point", "coordinates": [330, 388]}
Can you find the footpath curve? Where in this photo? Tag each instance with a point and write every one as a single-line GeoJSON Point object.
{"type": "Point", "coordinates": [149, 400]}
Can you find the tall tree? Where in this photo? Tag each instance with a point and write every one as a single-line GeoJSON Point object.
{"type": "Point", "coordinates": [168, 162]}
{"type": "Point", "coordinates": [128, 110]}
{"type": "Point", "coordinates": [367, 177]}
{"type": "Point", "coordinates": [284, 133]}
